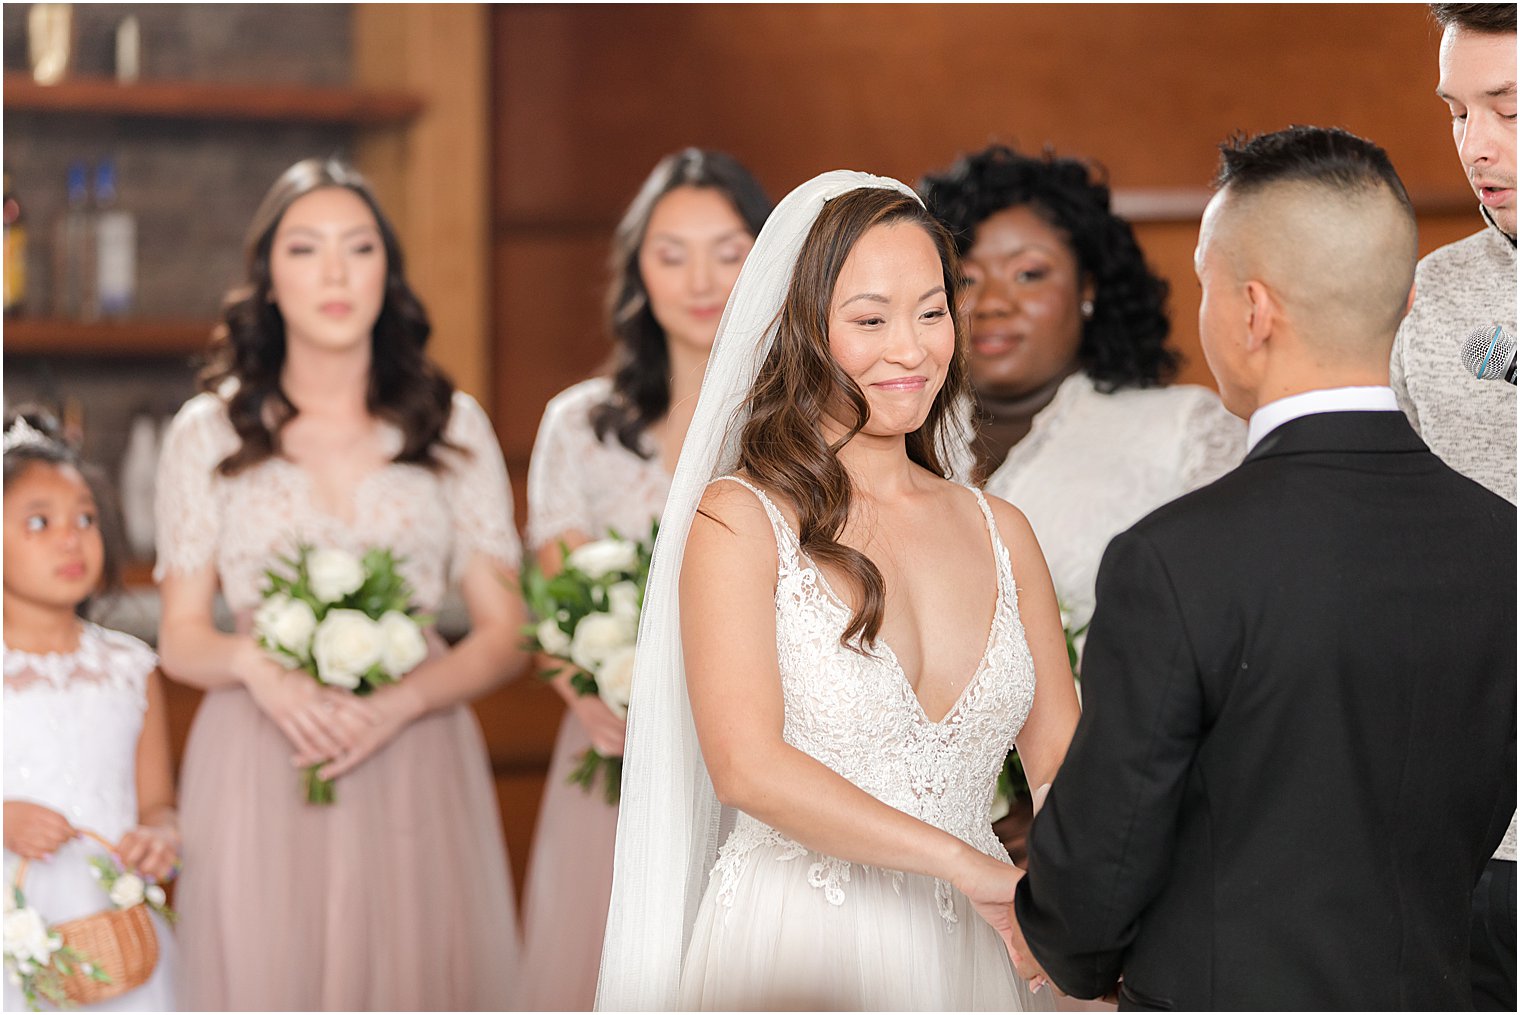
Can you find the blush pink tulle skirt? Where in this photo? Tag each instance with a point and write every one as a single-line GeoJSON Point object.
{"type": "Point", "coordinates": [568, 887]}
{"type": "Point", "coordinates": [396, 897]}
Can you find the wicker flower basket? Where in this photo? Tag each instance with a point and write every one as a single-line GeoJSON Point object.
{"type": "Point", "coordinates": [122, 943]}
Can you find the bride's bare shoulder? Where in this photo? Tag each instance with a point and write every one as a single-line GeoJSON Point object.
{"type": "Point", "coordinates": [733, 507]}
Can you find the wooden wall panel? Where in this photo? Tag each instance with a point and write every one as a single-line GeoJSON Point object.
{"type": "Point", "coordinates": [587, 97]}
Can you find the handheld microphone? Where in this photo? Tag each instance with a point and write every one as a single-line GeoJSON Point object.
{"type": "Point", "coordinates": [1488, 353]}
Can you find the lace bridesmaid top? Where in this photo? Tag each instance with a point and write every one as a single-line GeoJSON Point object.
{"type": "Point", "coordinates": [577, 481]}
{"type": "Point", "coordinates": [72, 721]}
{"type": "Point", "coordinates": [857, 713]}
{"type": "Point", "coordinates": [434, 521]}
{"type": "Point", "coordinates": [1093, 464]}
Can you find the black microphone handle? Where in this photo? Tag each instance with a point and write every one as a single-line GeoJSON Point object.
{"type": "Point", "coordinates": [1509, 375]}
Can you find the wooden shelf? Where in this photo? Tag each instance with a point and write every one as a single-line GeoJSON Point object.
{"type": "Point", "coordinates": [206, 100]}
{"type": "Point", "coordinates": [111, 338]}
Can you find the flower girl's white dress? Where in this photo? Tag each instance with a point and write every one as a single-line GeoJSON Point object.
{"type": "Point", "coordinates": [783, 927]}
{"type": "Point", "coordinates": [71, 727]}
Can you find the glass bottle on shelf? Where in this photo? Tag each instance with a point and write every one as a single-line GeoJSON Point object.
{"type": "Point", "coordinates": [115, 247]}
{"type": "Point", "coordinates": [74, 273]}
{"type": "Point", "coordinates": [14, 267]}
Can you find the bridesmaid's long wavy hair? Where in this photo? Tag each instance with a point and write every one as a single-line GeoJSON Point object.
{"type": "Point", "coordinates": [782, 445]}
{"type": "Point", "coordinates": [248, 346]}
{"type": "Point", "coordinates": [640, 365]}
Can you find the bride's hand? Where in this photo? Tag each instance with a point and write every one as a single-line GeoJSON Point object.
{"type": "Point", "coordinates": [989, 884]}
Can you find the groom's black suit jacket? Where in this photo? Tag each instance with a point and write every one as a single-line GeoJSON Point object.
{"type": "Point", "coordinates": [1297, 748]}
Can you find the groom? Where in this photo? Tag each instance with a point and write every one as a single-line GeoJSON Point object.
{"type": "Point", "coordinates": [1298, 744]}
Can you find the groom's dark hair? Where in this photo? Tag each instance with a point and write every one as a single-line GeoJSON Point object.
{"type": "Point", "coordinates": [1323, 155]}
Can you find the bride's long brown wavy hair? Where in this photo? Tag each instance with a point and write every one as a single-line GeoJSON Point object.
{"type": "Point", "coordinates": [783, 446]}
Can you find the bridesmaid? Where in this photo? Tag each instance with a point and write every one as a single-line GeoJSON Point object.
{"type": "Point", "coordinates": [323, 421]}
{"type": "Point", "coordinates": [602, 460]}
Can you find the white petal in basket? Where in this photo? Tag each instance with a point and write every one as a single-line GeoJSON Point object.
{"type": "Point", "coordinates": [603, 557]}
{"type": "Point", "coordinates": [346, 645]}
{"type": "Point", "coordinates": [333, 574]}
{"type": "Point", "coordinates": [26, 936]}
{"type": "Point", "coordinates": [405, 647]}
{"type": "Point", "coordinates": [127, 890]}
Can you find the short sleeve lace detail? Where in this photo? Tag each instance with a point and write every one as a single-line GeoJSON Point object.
{"type": "Point", "coordinates": [578, 482]}
{"type": "Point", "coordinates": [186, 513]}
{"type": "Point", "coordinates": [105, 660]}
{"type": "Point", "coordinates": [478, 490]}
{"type": "Point", "coordinates": [1213, 441]}
{"type": "Point", "coordinates": [433, 520]}
{"type": "Point", "coordinates": [855, 712]}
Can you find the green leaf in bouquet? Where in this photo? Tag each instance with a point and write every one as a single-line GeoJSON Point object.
{"type": "Point", "coordinates": [582, 683]}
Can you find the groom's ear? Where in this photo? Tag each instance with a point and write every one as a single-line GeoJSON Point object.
{"type": "Point", "coordinates": [1262, 314]}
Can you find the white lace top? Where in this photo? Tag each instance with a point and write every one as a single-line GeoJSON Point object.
{"type": "Point", "coordinates": [576, 481]}
{"type": "Point", "coordinates": [433, 521]}
{"type": "Point", "coordinates": [858, 715]}
{"type": "Point", "coordinates": [72, 721]}
{"type": "Point", "coordinates": [1094, 464]}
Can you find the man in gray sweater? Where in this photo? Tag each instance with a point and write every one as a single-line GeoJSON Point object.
{"type": "Point", "coordinates": [1467, 422]}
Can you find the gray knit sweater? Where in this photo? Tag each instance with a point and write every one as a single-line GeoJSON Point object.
{"type": "Point", "coordinates": [1467, 422]}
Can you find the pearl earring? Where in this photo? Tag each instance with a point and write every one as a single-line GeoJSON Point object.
{"type": "Point", "coordinates": [1087, 309]}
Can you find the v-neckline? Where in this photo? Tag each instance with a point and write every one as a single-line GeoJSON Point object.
{"type": "Point", "coordinates": [319, 509]}
{"type": "Point", "coordinates": [993, 539]}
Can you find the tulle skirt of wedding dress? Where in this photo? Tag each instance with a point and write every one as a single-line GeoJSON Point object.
{"type": "Point", "coordinates": [781, 945]}
{"type": "Point", "coordinates": [397, 897]}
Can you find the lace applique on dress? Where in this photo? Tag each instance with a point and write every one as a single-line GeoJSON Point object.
{"type": "Point", "coordinates": [433, 520]}
{"type": "Point", "coordinates": [855, 712]}
{"type": "Point", "coordinates": [105, 660]}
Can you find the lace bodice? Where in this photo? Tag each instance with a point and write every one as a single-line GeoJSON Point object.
{"type": "Point", "coordinates": [72, 721]}
{"type": "Point", "coordinates": [576, 481]}
{"type": "Point", "coordinates": [433, 521]}
{"type": "Point", "coordinates": [858, 714]}
{"type": "Point", "coordinates": [1093, 464]}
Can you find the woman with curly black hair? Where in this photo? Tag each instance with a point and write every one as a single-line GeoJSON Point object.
{"type": "Point", "coordinates": [1069, 360]}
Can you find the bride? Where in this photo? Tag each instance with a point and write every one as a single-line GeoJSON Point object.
{"type": "Point", "coordinates": [832, 675]}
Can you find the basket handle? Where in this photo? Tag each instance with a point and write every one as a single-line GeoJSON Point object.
{"type": "Point", "coordinates": [110, 848]}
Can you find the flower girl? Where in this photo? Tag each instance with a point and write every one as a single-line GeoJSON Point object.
{"type": "Point", "coordinates": [86, 737]}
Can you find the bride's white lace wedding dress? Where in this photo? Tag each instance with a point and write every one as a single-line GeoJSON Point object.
{"type": "Point", "coordinates": [783, 927]}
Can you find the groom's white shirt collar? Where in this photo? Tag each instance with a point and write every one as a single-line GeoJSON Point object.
{"type": "Point", "coordinates": [1274, 414]}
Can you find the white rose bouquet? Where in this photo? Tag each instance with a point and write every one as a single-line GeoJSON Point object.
{"type": "Point", "coordinates": [588, 618]}
{"type": "Point", "coordinates": [348, 621]}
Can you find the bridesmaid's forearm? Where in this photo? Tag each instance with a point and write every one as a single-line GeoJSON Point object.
{"type": "Point", "coordinates": [206, 658]}
{"type": "Point", "coordinates": [482, 661]}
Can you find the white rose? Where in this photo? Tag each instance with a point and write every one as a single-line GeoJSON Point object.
{"type": "Point", "coordinates": [127, 891]}
{"type": "Point", "coordinates": [554, 641]}
{"type": "Point", "coordinates": [596, 637]}
{"type": "Point", "coordinates": [405, 646]}
{"type": "Point", "coordinates": [286, 622]}
{"type": "Point", "coordinates": [333, 574]}
{"type": "Point", "coordinates": [26, 936]}
{"type": "Point", "coordinates": [156, 895]}
{"type": "Point", "coordinates": [614, 681]}
{"type": "Point", "coordinates": [623, 600]}
{"type": "Point", "coordinates": [604, 557]}
{"type": "Point", "coordinates": [346, 645]}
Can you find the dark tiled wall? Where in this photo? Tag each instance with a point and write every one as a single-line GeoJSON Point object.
{"type": "Point", "coordinates": [193, 186]}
